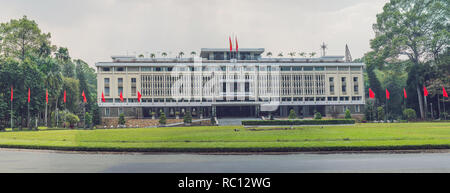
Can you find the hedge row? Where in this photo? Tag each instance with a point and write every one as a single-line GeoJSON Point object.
{"type": "Point", "coordinates": [299, 122]}
{"type": "Point", "coordinates": [237, 149]}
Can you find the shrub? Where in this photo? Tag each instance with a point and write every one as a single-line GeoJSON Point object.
{"type": "Point", "coordinates": [292, 114]}
{"type": "Point", "coordinates": [299, 122]}
{"type": "Point", "coordinates": [317, 116]}
{"type": "Point", "coordinates": [162, 119]}
{"type": "Point", "coordinates": [72, 119]}
{"type": "Point", "coordinates": [52, 121]}
{"type": "Point", "coordinates": [409, 114]}
{"type": "Point", "coordinates": [348, 115]}
{"type": "Point", "coordinates": [380, 113]}
{"type": "Point", "coordinates": [187, 117]}
{"type": "Point", "coordinates": [121, 119]}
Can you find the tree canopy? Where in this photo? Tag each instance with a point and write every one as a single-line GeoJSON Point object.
{"type": "Point", "coordinates": [28, 60]}
{"type": "Point", "coordinates": [410, 50]}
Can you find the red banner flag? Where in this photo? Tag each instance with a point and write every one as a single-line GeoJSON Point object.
{"type": "Point", "coordinates": [64, 96]}
{"type": "Point", "coordinates": [237, 47]}
{"type": "Point", "coordinates": [404, 93]}
{"type": "Point", "coordinates": [231, 44]}
{"type": "Point", "coordinates": [84, 97]}
{"type": "Point", "coordinates": [12, 95]}
{"type": "Point", "coordinates": [371, 94]}
{"type": "Point", "coordinates": [387, 94]}
{"type": "Point", "coordinates": [425, 91]}
{"type": "Point", "coordinates": [444, 92]}
{"type": "Point", "coordinates": [121, 96]}
{"type": "Point", "coordinates": [103, 97]}
{"type": "Point", "coordinates": [139, 96]}
{"type": "Point", "coordinates": [46, 96]}
{"type": "Point", "coordinates": [29, 95]}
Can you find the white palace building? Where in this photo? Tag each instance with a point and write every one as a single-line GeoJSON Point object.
{"type": "Point", "coordinates": [221, 83]}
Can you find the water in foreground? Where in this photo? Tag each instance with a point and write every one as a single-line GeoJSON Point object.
{"type": "Point", "coordinates": [12, 160]}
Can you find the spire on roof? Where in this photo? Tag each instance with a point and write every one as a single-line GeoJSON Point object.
{"type": "Point", "coordinates": [348, 56]}
{"type": "Point", "coordinates": [323, 47]}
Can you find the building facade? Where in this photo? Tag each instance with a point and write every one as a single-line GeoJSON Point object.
{"type": "Point", "coordinates": [230, 84]}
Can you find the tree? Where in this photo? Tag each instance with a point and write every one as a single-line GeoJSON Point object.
{"type": "Point", "coordinates": [88, 120]}
{"type": "Point", "coordinates": [63, 57]}
{"type": "Point", "coordinates": [317, 115]}
{"type": "Point", "coordinates": [71, 86]}
{"type": "Point", "coordinates": [121, 119]}
{"type": "Point", "coordinates": [269, 54]}
{"type": "Point", "coordinates": [292, 114]}
{"type": "Point", "coordinates": [380, 113]}
{"type": "Point", "coordinates": [409, 114]}
{"type": "Point", "coordinates": [187, 117]}
{"type": "Point", "coordinates": [181, 54]}
{"type": "Point", "coordinates": [84, 86]}
{"type": "Point", "coordinates": [416, 29]}
{"type": "Point", "coordinates": [162, 118]}
{"type": "Point", "coordinates": [23, 37]}
{"type": "Point", "coordinates": [4, 120]}
{"type": "Point", "coordinates": [348, 115]}
{"type": "Point", "coordinates": [312, 54]}
{"type": "Point", "coordinates": [193, 53]}
{"type": "Point", "coordinates": [29, 61]}
{"type": "Point", "coordinates": [370, 111]}
{"type": "Point", "coordinates": [164, 54]}
{"type": "Point", "coordinates": [72, 119]}
{"type": "Point", "coordinates": [372, 61]}
{"type": "Point", "coordinates": [302, 54]}
{"type": "Point", "coordinates": [292, 54]}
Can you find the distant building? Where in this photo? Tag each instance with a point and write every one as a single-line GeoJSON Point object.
{"type": "Point", "coordinates": [229, 84]}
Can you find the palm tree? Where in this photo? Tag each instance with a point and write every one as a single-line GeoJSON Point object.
{"type": "Point", "coordinates": [193, 53]}
{"type": "Point", "coordinates": [141, 55]}
{"type": "Point", "coordinates": [164, 54]}
{"type": "Point", "coordinates": [302, 54]}
{"type": "Point", "coordinates": [280, 54]}
{"type": "Point", "coordinates": [269, 54]}
{"type": "Point", "coordinates": [292, 54]}
{"type": "Point", "coordinates": [312, 54]}
{"type": "Point", "coordinates": [63, 54]}
{"type": "Point", "coordinates": [152, 55]}
{"type": "Point", "coordinates": [181, 54]}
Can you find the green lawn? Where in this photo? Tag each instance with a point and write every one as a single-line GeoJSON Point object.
{"type": "Point", "coordinates": [369, 135]}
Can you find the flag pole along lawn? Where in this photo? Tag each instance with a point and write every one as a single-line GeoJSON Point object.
{"type": "Point", "coordinates": [366, 136]}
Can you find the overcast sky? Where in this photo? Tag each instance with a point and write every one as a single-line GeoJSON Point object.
{"type": "Point", "coordinates": [93, 30]}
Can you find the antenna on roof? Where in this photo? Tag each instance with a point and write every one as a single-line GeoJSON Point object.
{"type": "Point", "coordinates": [348, 56]}
{"type": "Point", "coordinates": [323, 47]}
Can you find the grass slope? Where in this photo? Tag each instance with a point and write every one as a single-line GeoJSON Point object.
{"type": "Point", "coordinates": [357, 137]}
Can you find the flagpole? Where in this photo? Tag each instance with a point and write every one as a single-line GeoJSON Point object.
{"type": "Point", "coordinates": [28, 122]}
{"type": "Point", "coordinates": [426, 109]}
{"type": "Point", "coordinates": [57, 117]}
{"type": "Point", "coordinates": [443, 102]}
{"type": "Point", "coordinates": [439, 106]}
{"type": "Point", "coordinates": [65, 112]}
{"type": "Point", "coordinates": [11, 115]}
{"type": "Point", "coordinates": [46, 104]}
{"type": "Point", "coordinates": [386, 114]}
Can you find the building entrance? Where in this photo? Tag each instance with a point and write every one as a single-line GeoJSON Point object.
{"type": "Point", "coordinates": [235, 111]}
